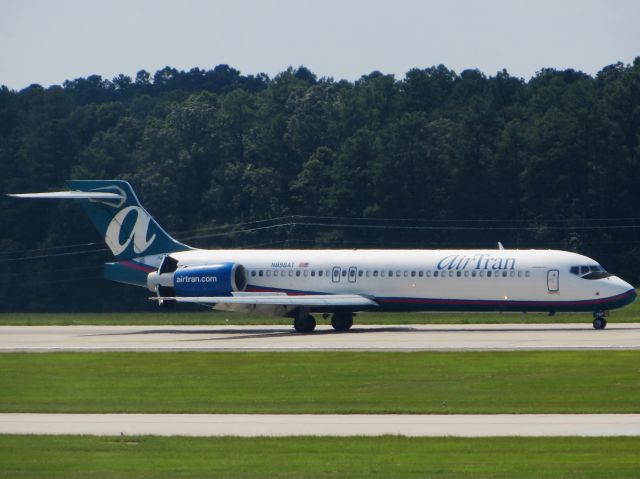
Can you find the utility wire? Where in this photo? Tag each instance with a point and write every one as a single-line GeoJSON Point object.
{"type": "Point", "coordinates": [387, 227]}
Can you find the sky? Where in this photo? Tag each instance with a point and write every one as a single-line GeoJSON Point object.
{"type": "Point", "coordinates": [50, 41]}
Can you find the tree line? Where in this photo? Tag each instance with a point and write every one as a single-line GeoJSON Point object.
{"type": "Point", "coordinates": [436, 159]}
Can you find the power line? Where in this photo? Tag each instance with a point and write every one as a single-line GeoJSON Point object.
{"type": "Point", "coordinates": [55, 255]}
{"type": "Point", "coordinates": [52, 248]}
{"type": "Point", "coordinates": [386, 227]}
{"type": "Point", "coordinates": [468, 220]}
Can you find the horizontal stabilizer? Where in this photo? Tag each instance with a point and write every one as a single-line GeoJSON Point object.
{"type": "Point", "coordinates": [279, 299]}
{"type": "Point", "coordinates": [70, 195]}
{"type": "Point", "coordinates": [114, 209]}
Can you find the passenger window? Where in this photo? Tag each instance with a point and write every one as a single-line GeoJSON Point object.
{"type": "Point", "coordinates": [420, 273]}
{"type": "Point", "coordinates": [383, 273]}
{"type": "Point", "coordinates": [297, 272]}
{"type": "Point", "coordinates": [368, 274]}
{"type": "Point", "coordinates": [276, 273]}
{"type": "Point", "coordinates": [375, 273]}
{"type": "Point", "coordinates": [320, 273]}
{"type": "Point", "coordinates": [406, 273]}
{"type": "Point", "coordinates": [450, 274]}
{"type": "Point", "coordinates": [413, 274]}
{"type": "Point", "coordinates": [344, 273]}
{"type": "Point", "coordinates": [360, 273]}
{"type": "Point", "coordinates": [482, 274]}
{"type": "Point", "coordinates": [313, 272]}
{"type": "Point", "coordinates": [268, 273]}
{"type": "Point", "coordinates": [466, 274]}
{"type": "Point", "coordinates": [260, 273]}
{"type": "Point", "coordinates": [527, 274]}
{"type": "Point", "coordinates": [428, 274]}
{"type": "Point", "coordinates": [306, 273]}
{"type": "Point", "coordinates": [391, 273]}
{"type": "Point", "coordinates": [488, 274]}
{"type": "Point", "coordinates": [473, 274]}
{"type": "Point", "coordinates": [504, 274]}
{"type": "Point", "coordinates": [435, 274]}
{"type": "Point", "coordinates": [253, 272]}
{"type": "Point", "coordinates": [519, 274]}
{"type": "Point", "coordinates": [459, 273]}
{"type": "Point", "coordinates": [512, 274]}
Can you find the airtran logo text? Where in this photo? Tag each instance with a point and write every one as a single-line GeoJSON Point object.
{"type": "Point", "coordinates": [476, 261]}
{"type": "Point", "coordinates": [138, 235]}
{"type": "Point", "coordinates": [197, 279]}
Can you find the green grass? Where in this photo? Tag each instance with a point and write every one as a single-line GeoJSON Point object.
{"type": "Point", "coordinates": [322, 382]}
{"type": "Point", "coordinates": [317, 457]}
{"type": "Point", "coordinates": [630, 314]}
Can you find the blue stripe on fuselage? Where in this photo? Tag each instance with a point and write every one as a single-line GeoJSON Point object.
{"type": "Point", "coordinates": [435, 304]}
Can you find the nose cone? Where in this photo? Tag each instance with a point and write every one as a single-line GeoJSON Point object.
{"type": "Point", "coordinates": [624, 289]}
{"type": "Point", "coordinates": [623, 285]}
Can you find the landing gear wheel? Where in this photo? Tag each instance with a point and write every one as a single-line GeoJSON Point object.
{"type": "Point", "coordinates": [599, 321]}
{"type": "Point", "coordinates": [304, 324]}
{"type": "Point", "coordinates": [342, 322]}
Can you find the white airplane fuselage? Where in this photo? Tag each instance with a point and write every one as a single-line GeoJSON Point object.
{"type": "Point", "coordinates": [429, 280]}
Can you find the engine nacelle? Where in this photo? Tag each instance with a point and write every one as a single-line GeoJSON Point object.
{"type": "Point", "coordinates": [208, 280]}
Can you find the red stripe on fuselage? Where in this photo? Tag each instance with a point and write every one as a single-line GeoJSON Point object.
{"type": "Point", "coordinates": [137, 266]}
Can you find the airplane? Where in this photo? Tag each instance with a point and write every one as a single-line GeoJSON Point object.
{"type": "Point", "coordinates": [338, 283]}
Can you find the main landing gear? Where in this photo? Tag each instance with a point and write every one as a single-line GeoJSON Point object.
{"type": "Point", "coordinates": [342, 321]}
{"type": "Point", "coordinates": [599, 320]}
{"type": "Point", "coordinates": [304, 323]}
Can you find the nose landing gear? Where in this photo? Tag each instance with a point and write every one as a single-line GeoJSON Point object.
{"type": "Point", "coordinates": [599, 320]}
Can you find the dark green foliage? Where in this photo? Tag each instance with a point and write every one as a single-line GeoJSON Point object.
{"type": "Point", "coordinates": [545, 163]}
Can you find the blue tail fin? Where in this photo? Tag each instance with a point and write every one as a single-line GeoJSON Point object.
{"type": "Point", "coordinates": [125, 225]}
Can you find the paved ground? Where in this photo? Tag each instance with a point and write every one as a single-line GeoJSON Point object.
{"type": "Point", "coordinates": [321, 425]}
{"type": "Point", "coordinates": [282, 338]}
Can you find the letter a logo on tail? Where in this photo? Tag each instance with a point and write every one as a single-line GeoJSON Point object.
{"type": "Point", "coordinates": [138, 233]}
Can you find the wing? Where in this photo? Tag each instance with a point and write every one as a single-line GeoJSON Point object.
{"type": "Point", "coordinates": [278, 299]}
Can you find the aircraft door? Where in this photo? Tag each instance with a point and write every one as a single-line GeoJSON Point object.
{"type": "Point", "coordinates": [335, 274]}
{"type": "Point", "coordinates": [553, 280]}
{"type": "Point", "coordinates": [353, 273]}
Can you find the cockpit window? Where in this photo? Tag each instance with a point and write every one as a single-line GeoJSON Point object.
{"type": "Point", "coordinates": [590, 272]}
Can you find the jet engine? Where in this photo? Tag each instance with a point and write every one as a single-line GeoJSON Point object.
{"type": "Point", "coordinates": [204, 280]}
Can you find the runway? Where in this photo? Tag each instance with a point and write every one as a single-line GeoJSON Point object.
{"type": "Point", "coordinates": [501, 337]}
{"type": "Point", "coordinates": [250, 425]}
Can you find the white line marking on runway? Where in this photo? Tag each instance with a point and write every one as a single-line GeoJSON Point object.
{"type": "Point", "coordinates": [250, 425]}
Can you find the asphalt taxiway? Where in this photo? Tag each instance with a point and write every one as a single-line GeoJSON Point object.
{"type": "Point", "coordinates": [505, 337]}
{"type": "Point", "coordinates": [250, 425]}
